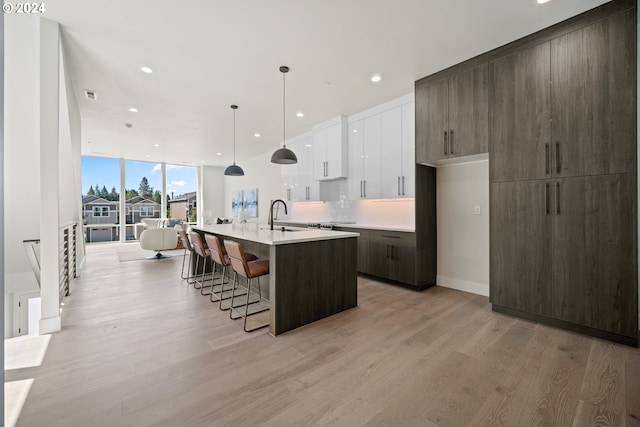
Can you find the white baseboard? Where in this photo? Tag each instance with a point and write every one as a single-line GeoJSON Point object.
{"type": "Point", "coordinates": [462, 285]}
{"type": "Point", "coordinates": [50, 325]}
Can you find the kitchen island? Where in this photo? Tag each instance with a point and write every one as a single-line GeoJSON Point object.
{"type": "Point", "coordinates": [312, 272]}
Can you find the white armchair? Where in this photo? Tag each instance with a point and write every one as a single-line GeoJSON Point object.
{"type": "Point", "coordinates": [158, 239]}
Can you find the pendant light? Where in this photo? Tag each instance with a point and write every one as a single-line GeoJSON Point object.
{"type": "Point", "coordinates": [234, 170]}
{"type": "Point", "coordinates": [283, 155]}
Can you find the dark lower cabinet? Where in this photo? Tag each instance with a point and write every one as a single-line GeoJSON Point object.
{"type": "Point", "coordinates": [564, 249]}
{"type": "Point", "coordinates": [393, 255]}
{"type": "Point", "coordinates": [520, 249]}
{"type": "Point", "coordinates": [389, 255]}
{"type": "Point", "coordinates": [594, 253]}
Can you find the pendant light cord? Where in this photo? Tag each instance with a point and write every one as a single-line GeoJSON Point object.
{"type": "Point", "coordinates": [234, 136]}
{"type": "Point", "coordinates": [284, 145]}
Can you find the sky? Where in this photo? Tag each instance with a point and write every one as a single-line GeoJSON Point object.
{"type": "Point", "coordinates": [103, 171]}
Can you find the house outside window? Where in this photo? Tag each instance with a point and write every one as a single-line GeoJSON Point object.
{"type": "Point", "coordinates": [146, 210]}
{"type": "Point", "coordinates": [100, 211]}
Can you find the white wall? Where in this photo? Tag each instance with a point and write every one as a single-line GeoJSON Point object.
{"type": "Point", "coordinates": [21, 154]}
{"type": "Point", "coordinates": [210, 192]}
{"type": "Point", "coordinates": [259, 173]}
{"type": "Point", "coordinates": [2, 308]}
{"type": "Point", "coordinates": [463, 236]}
{"type": "Point", "coordinates": [40, 111]}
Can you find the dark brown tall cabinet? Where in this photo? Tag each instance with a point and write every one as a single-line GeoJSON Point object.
{"type": "Point", "coordinates": [562, 131]}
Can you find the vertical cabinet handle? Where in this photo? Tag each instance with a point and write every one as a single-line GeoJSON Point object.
{"type": "Point", "coordinates": [558, 165]}
{"type": "Point", "coordinates": [558, 198]}
{"type": "Point", "coordinates": [446, 143]}
{"type": "Point", "coordinates": [361, 189]}
{"type": "Point", "coordinates": [451, 142]}
{"type": "Point", "coordinates": [365, 188]}
{"type": "Point", "coordinates": [546, 158]}
{"type": "Point", "coordinates": [398, 186]}
{"type": "Point", "coordinates": [403, 185]}
{"type": "Point", "coordinates": [546, 198]}
{"type": "Point", "coordinates": [387, 251]}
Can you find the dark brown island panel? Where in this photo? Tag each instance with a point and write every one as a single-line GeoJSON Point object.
{"type": "Point", "coordinates": [313, 273]}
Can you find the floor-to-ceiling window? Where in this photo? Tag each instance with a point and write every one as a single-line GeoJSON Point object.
{"type": "Point", "coordinates": [143, 184]}
{"type": "Point", "coordinates": [181, 192]}
{"type": "Point", "coordinates": [143, 196]}
{"type": "Point", "coordinates": [100, 198]}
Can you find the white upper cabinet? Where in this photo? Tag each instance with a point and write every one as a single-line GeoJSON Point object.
{"type": "Point", "coordinates": [381, 152]}
{"type": "Point", "coordinates": [364, 158]}
{"type": "Point", "coordinates": [391, 151]}
{"type": "Point", "coordinates": [297, 178]}
{"type": "Point", "coordinates": [397, 150]}
{"type": "Point", "coordinates": [330, 149]}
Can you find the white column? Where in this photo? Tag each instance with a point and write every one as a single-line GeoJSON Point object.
{"type": "Point", "coordinates": [49, 176]}
{"type": "Point", "coordinates": [123, 203]}
{"type": "Point", "coordinates": [163, 203]}
{"type": "Point", "coordinates": [199, 193]}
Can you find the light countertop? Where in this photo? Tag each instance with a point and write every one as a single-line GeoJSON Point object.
{"type": "Point", "coordinates": [354, 225]}
{"type": "Point", "coordinates": [261, 233]}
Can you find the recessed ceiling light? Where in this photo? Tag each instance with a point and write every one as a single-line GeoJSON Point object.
{"type": "Point", "coordinates": [308, 145]}
{"type": "Point", "coordinates": [376, 78]}
{"type": "Point", "coordinates": [148, 155]}
{"type": "Point", "coordinates": [355, 131]}
{"type": "Point", "coordinates": [299, 114]}
{"type": "Point", "coordinates": [541, 1]}
{"type": "Point", "coordinates": [257, 135]}
{"type": "Point", "coordinates": [156, 145]}
{"type": "Point", "coordinates": [133, 109]}
{"type": "Point", "coordinates": [146, 69]}
{"type": "Point", "coordinates": [201, 161]}
{"type": "Point", "coordinates": [219, 154]}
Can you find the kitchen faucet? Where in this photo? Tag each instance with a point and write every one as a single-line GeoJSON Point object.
{"type": "Point", "coordinates": [271, 211]}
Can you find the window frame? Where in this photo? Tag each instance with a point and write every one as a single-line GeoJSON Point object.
{"type": "Point", "coordinates": [144, 211]}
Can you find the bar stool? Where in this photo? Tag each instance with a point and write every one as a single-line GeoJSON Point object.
{"type": "Point", "coordinates": [219, 257]}
{"type": "Point", "coordinates": [250, 270]}
{"type": "Point", "coordinates": [186, 244]}
{"type": "Point", "coordinates": [200, 248]}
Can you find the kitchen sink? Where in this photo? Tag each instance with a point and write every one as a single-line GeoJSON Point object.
{"type": "Point", "coordinates": [287, 229]}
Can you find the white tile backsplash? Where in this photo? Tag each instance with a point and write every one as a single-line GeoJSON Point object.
{"type": "Point", "coordinates": [393, 213]}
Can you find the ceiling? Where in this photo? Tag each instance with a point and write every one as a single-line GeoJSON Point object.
{"type": "Point", "coordinates": [209, 54]}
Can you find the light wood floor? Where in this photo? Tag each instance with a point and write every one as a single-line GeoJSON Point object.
{"type": "Point", "coordinates": [140, 347]}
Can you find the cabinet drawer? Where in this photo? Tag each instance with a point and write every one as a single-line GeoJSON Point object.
{"type": "Point", "coordinates": [392, 255]}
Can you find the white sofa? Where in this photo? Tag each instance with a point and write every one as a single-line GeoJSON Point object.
{"type": "Point", "coordinates": [150, 223]}
{"type": "Point", "coordinates": [158, 239]}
